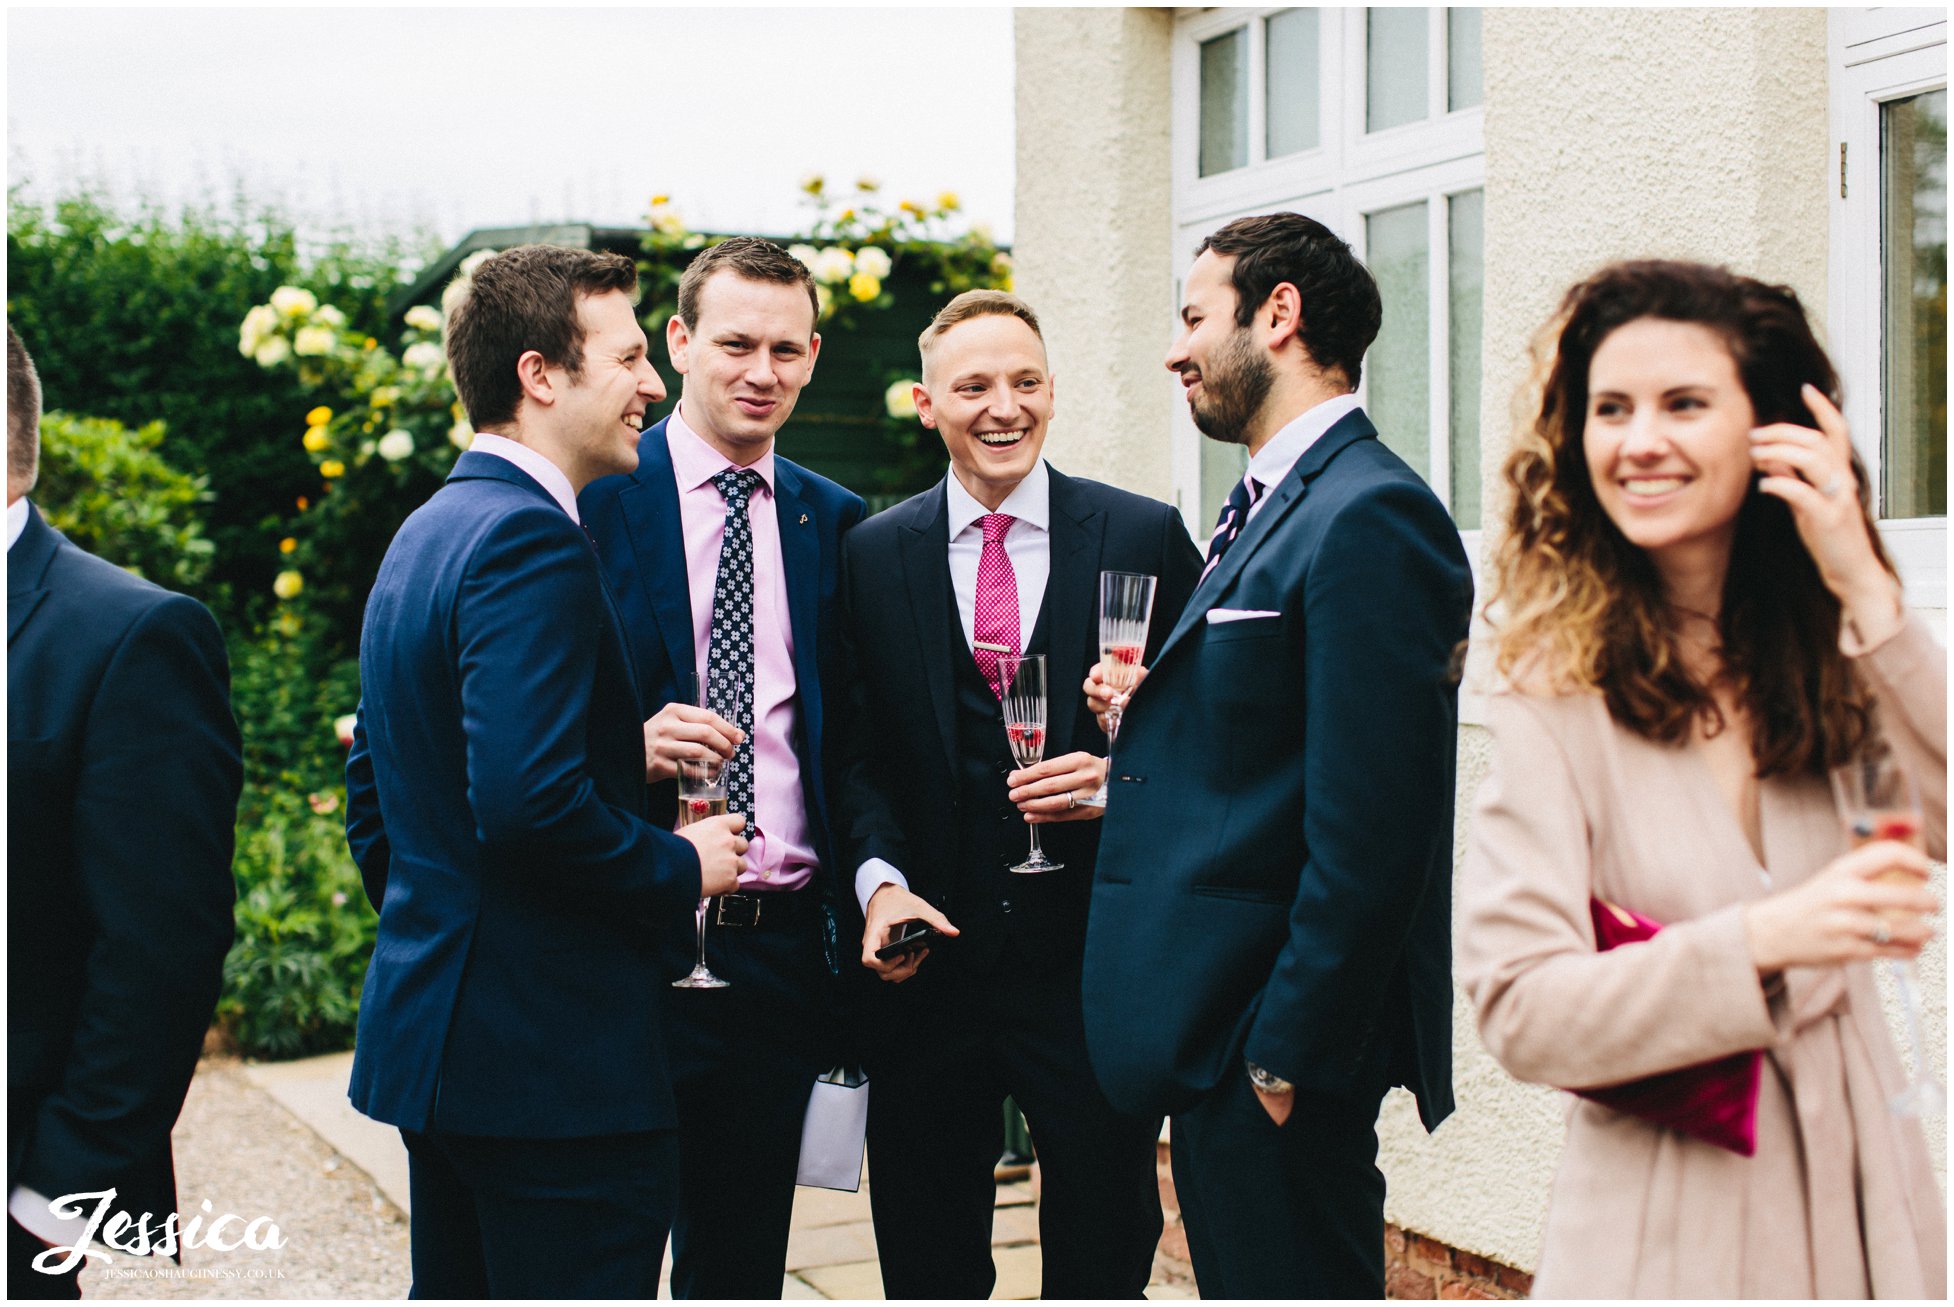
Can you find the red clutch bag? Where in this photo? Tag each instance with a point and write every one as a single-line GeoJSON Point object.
{"type": "Point", "coordinates": [1713, 1101]}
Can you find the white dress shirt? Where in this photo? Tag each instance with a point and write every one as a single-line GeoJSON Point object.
{"type": "Point", "coordinates": [1029, 547]}
{"type": "Point", "coordinates": [1273, 461]}
{"type": "Point", "coordinates": [16, 520]}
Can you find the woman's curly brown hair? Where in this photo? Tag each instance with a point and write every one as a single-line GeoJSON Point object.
{"type": "Point", "coordinates": [1583, 608]}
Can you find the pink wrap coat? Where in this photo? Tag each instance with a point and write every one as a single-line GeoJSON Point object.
{"type": "Point", "coordinates": [1840, 1200]}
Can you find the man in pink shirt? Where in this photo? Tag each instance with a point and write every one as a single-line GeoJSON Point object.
{"type": "Point", "coordinates": [724, 561]}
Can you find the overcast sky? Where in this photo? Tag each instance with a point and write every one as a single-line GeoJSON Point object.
{"type": "Point", "coordinates": [456, 118]}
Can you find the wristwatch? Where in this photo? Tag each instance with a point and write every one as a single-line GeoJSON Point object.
{"type": "Point", "coordinates": [1267, 1082]}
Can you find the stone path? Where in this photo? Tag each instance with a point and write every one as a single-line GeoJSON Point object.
{"type": "Point", "coordinates": [280, 1141]}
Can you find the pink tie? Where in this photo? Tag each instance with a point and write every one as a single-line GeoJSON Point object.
{"type": "Point", "coordinates": [996, 619]}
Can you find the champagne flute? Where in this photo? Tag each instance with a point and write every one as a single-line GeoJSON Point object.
{"type": "Point", "coordinates": [1023, 679]}
{"type": "Point", "coordinates": [1877, 802]}
{"type": "Point", "coordinates": [702, 794]}
{"type": "Point", "coordinates": [1125, 609]}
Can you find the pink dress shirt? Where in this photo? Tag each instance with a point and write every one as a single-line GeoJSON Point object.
{"type": "Point", "coordinates": [782, 857]}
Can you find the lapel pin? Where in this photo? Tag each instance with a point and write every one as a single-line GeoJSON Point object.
{"type": "Point", "coordinates": [803, 519]}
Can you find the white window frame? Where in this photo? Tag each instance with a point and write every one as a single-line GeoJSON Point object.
{"type": "Point", "coordinates": [1876, 56]}
{"type": "Point", "coordinates": [1349, 175]}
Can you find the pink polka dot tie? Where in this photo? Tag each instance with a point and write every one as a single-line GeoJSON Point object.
{"type": "Point", "coordinates": [996, 623]}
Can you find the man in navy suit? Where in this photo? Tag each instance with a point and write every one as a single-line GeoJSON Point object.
{"type": "Point", "coordinates": [123, 774]}
{"type": "Point", "coordinates": [496, 806]}
{"type": "Point", "coordinates": [724, 558]}
{"type": "Point", "coordinates": [1003, 557]}
{"type": "Point", "coordinates": [1269, 948]}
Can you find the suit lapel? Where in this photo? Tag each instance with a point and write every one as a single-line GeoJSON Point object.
{"type": "Point", "coordinates": [27, 564]}
{"type": "Point", "coordinates": [925, 551]}
{"type": "Point", "coordinates": [800, 556]}
{"type": "Point", "coordinates": [1283, 497]}
{"type": "Point", "coordinates": [1068, 612]}
{"type": "Point", "coordinates": [650, 507]}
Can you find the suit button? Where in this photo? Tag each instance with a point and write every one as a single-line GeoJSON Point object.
{"type": "Point", "coordinates": [1007, 907]}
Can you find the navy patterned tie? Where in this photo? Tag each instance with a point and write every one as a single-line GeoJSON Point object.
{"type": "Point", "coordinates": [1234, 514]}
{"type": "Point", "coordinates": [729, 652]}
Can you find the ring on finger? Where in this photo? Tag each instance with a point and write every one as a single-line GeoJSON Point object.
{"type": "Point", "coordinates": [1882, 934]}
{"type": "Point", "coordinates": [1071, 800]}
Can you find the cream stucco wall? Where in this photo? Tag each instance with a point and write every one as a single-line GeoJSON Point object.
{"type": "Point", "coordinates": [1609, 133]}
{"type": "Point", "coordinates": [1092, 234]}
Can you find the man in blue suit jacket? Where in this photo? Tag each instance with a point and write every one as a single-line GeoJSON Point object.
{"type": "Point", "coordinates": [510, 1024]}
{"type": "Point", "coordinates": [122, 782]}
{"type": "Point", "coordinates": [1268, 948]}
{"type": "Point", "coordinates": [724, 557]}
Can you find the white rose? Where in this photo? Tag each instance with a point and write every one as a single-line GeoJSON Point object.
{"type": "Point", "coordinates": [461, 435]}
{"type": "Point", "coordinates": [666, 221]}
{"type": "Point", "coordinates": [422, 354]}
{"type": "Point", "coordinates": [273, 352]}
{"type": "Point", "coordinates": [329, 315]}
{"type": "Point", "coordinates": [900, 399]}
{"type": "Point", "coordinates": [873, 261]}
{"type": "Point", "coordinates": [833, 265]}
{"type": "Point", "coordinates": [474, 261]}
{"type": "Point", "coordinates": [342, 728]}
{"type": "Point", "coordinates": [423, 317]}
{"type": "Point", "coordinates": [257, 324]}
{"type": "Point", "coordinates": [805, 253]}
{"type": "Point", "coordinates": [396, 445]}
{"type": "Point", "coordinates": [310, 342]}
{"type": "Point", "coordinates": [294, 301]}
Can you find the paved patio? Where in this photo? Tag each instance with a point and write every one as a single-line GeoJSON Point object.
{"type": "Point", "coordinates": [830, 1255]}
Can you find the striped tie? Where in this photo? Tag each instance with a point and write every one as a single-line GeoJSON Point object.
{"type": "Point", "coordinates": [1233, 514]}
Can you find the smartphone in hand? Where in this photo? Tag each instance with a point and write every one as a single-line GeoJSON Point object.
{"type": "Point", "coordinates": [913, 937]}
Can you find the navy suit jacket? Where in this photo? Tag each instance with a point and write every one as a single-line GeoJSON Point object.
{"type": "Point", "coordinates": [496, 808]}
{"type": "Point", "coordinates": [123, 774]}
{"type": "Point", "coordinates": [901, 773]}
{"type": "Point", "coordinates": [1275, 870]}
{"type": "Point", "coordinates": [635, 521]}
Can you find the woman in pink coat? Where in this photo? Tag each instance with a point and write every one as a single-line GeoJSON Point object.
{"type": "Point", "coordinates": [1694, 621]}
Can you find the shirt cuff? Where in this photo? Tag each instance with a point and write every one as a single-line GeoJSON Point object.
{"type": "Point", "coordinates": [873, 875]}
{"type": "Point", "coordinates": [34, 1214]}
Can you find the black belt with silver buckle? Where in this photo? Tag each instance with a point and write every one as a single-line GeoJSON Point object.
{"type": "Point", "coordinates": [780, 908]}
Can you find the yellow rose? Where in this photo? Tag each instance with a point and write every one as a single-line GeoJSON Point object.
{"type": "Point", "coordinates": [287, 585]}
{"type": "Point", "coordinates": [864, 287]}
{"type": "Point", "coordinates": [900, 399]}
{"type": "Point", "coordinates": [318, 417]}
{"type": "Point", "coordinates": [332, 467]}
{"type": "Point", "coordinates": [948, 200]}
{"type": "Point", "coordinates": [287, 545]}
{"type": "Point", "coordinates": [316, 440]}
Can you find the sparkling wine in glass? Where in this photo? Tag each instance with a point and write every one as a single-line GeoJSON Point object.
{"type": "Point", "coordinates": [1877, 801]}
{"type": "Point", "coordinates": [1023, 679]}
{"type": "Point", "coordinates": [701, 794]}
{"type": "Point", "coordinates": [1125, 609]}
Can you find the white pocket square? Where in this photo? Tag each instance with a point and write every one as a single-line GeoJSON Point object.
{"type": "Point", "coordinates": [1216, 616]}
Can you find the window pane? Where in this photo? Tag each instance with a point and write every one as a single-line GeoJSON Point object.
{"type": "Point", "coordinates": [1397, 83]}
{"type": "Point", "coordinates": [1913, 206]}
{"type": "Point", "coordinates": [1467, 237]}
{"type": "Point", "coordinates": [1292, 88]}
{"type": "Point", "coordinates": [1222, 466]}
{"type": "Point", "coordinates": [1464, 86]}
{"type": "Point", "coordinates": [1224, 102]}
{"type": "Point", "coordinates": [1399, 365]}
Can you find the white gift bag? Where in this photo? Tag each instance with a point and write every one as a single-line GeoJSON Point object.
{"type": "Point", "coordinates": [834, 1131]}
